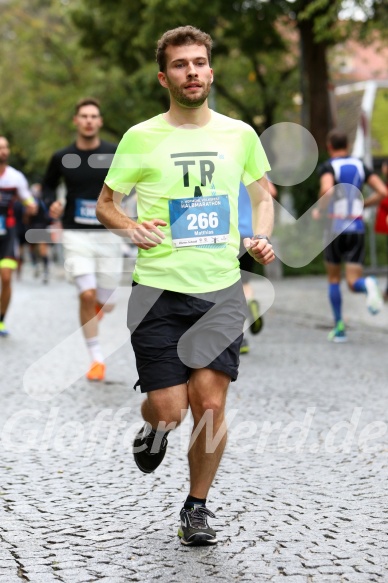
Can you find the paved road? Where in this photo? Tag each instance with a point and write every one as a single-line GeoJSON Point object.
{"type": "Point", "coordinates": [300, 496]}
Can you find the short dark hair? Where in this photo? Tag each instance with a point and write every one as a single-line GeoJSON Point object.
{"type": "Point", "coordinates": [177, 37]}
{"type": "Point", "coordinates": [337, 139]}
{"type": "Point", "coordinates": [87, 101]}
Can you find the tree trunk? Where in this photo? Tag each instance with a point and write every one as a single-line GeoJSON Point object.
{"type": "Point", "coordinates": [315, 83]}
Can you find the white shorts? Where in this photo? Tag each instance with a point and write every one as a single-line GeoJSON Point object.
{"type": "Point", "coordinates": [93, 252]}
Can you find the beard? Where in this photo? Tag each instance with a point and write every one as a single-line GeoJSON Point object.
{"type": "Point", "coordinates": [186, 99]}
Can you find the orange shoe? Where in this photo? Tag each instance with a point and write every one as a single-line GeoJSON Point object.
{"type": "Point", "coordinates": [96, 371]}
{"type": "Point", "coordinates": [99, 312]}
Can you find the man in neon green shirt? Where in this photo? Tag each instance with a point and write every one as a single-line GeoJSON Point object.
{"type": "Point", "coordinates": [187, 309]}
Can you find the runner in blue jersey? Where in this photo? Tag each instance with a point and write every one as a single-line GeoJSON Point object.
{"type": "Point", "coordinates": [343, 177]}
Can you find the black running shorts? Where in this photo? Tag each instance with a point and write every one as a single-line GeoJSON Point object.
{"type": "Point", "coordinates": [173, 333]}
{"type": "Point", "coordinates": [346, 248]}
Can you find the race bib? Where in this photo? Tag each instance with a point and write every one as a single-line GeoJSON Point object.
{"type": "Point", "coordinates": [3, 230]}
{"type": "Point", "coordinates": [85, 212]}
{"type": "Point", "coordinates": [203, 220]}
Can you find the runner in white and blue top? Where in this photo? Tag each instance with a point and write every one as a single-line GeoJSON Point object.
{"type": "Point", "coordinates": [343, 177]}
{"type": "Point", "coordinates": [346, 206]}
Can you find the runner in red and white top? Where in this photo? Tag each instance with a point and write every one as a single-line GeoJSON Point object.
{"type": "Point", "coordinates": [13, 185]}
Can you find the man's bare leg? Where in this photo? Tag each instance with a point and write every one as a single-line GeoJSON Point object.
{"type": "Point", "coordinates": [165, 406]}
{"type": "Point", "coordinates": [207, 396]}
{"type": "Point", "coordinates": [89, 322]}
{"type": "Point", "coordinates": [163, 411]}
{"type": "Point", "coordinates": [207, 391]}
{"type": "Point", "coordinates": [5, 295]}
{"type": "Point", "coordinates": [87, 312]}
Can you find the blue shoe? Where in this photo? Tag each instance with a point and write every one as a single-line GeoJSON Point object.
{"type": "Point", "coordinates": [338, 334]}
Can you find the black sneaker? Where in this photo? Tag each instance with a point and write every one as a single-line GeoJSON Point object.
{"type": "Point", "coordinates": [194, 530]}
{"type": "Point", "coordinates": [257, 320]}
{"type": "Point", "coordinates": [147, 451]}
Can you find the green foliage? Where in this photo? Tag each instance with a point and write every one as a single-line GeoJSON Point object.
{"type": "Point", "coordinates": [256, 72]}
{"type": "Point", "coordinates": [381, 246]}
{"type": "Point", "coordinates": [376, 19]}
{"type": "Point", "coordinates": [305, 194]}
{"type": "Point", "coordinates": [257, 69]}
{"type": "Point", "coordinates": [324, 14]}
{"type": "Point", "coordinates": [44, 74]}
{"type": "Point", "coordinates": [47, 64]}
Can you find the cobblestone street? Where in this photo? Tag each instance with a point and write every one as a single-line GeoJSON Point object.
{"type": "Point", "coordinates": [301, 494]}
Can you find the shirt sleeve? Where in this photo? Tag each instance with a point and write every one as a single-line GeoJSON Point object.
{"type": "Point", "coordinates": [256, 164]}
{"type": "Point", "coordinates": [325, 168]}
{"type": "Point", "coordinates": [126, 166]}
{"type": "Point", "coordinates": [24, 192]}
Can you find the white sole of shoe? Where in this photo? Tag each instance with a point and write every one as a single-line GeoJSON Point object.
{"type": "Point", "coordinates": [374, 300]}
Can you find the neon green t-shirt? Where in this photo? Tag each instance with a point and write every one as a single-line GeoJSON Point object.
{"type": "Point", "coordinates": [189, 177]}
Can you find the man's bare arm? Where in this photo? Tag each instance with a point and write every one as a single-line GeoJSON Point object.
{"type": "Point", "coordinates": [380, 191]}
{"type": "Point", "coordinates": [108, 211]}
{"type": "Point", "coordinates": [262, 221]}
{"type": "Point", "coordinates": [326, 187]}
